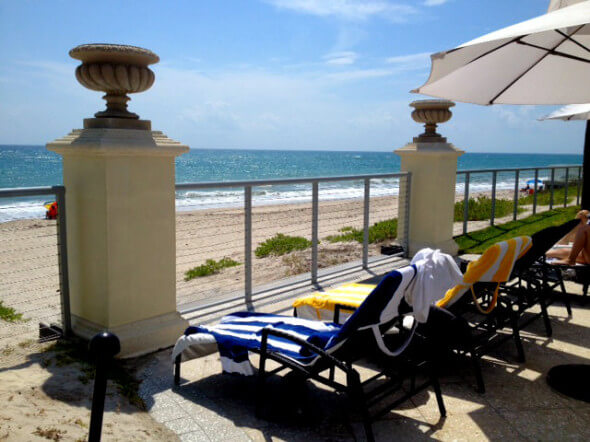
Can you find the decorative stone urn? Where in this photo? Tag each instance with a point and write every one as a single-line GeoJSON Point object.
{"type": "Point", "coordinates": [117, 70]}
{"type": "Point", "coordinates": [431, 113]}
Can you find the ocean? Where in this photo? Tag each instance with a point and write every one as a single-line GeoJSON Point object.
{"type": "Point", "coordinates": [30, 166]}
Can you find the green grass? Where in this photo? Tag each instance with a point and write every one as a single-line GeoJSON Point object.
{"type": "Point", "coordinates": [478, 241]}
{"type": "Point", "coordinates": [209, 268]}
{"type": "Point", "coordinates": [544, 196]}
{"type": "Point", "coordinates": [378, 232]}
{"type": "Point", "coordinates": [9, 314]}
{"type": "Point", "coordinates": [480, 208]}
{"type": "Point", "coordinates": [281, 244]}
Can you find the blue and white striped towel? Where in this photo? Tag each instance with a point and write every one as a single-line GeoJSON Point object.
{"type": "Point", "coordinates": [238, 333]}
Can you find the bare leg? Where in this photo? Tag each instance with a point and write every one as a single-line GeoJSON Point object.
{"type": "Point", "coordinates": [580, 243]}
{"type": "Point", "coordinates": [561, 253]}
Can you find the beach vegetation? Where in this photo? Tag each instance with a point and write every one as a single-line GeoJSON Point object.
{"type": "Point", "coordinates": [480, 240]}
{"type": "Point", "coordinates": [210, 267]}
{"type": "Point", "coordinates": [50, 433]}
{"type": "Point", "coordinates": [281, 244]}
{"type": "Point", "coordinates": [296, 264]}
{"type": "Point", "coordinates": [480, 208]}
{"type": "Point", "coordinates": [9, 314]}
{"type": "Point", "coordinates": [544, 196]}
{"type": "Point", "coordinates": [378, 232]}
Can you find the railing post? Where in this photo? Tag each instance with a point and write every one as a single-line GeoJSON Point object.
{"type": "Point", "coordinates": [103, 347]}
{"type": "Point", "coordinates": [494, 178]}
{"type": "Point", "coordinates": [314, 231]}
{"type": "Point", "coordinates": [516, 189]}
{"type": "Point", "coordinates": [535, 192]}
{"type": "Point", "coordinates": [406, 244]}
{"type": "Point", "coordinates": [565, 188]}
{"type": "Point", "coordinates": [62, 244]}
{"type": "Point", "coordinates": [552, 188]}
{"type": "Point", "coordinates": [248, 246]}
{"type": "Point", "coordinates": [466, 203]}
{"type": "Point", "coordinates": [579, 186]}
{"type": "Point", "coordinates": [366, 223]}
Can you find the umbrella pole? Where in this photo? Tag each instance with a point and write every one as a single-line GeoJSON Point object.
{"type": "Point", "coordinates": [586, 170]}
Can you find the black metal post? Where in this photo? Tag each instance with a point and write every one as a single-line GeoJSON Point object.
{"type": "Point", "coordinates": [104, 346]}
{"type": "Point", "coordinates": [586, 172]}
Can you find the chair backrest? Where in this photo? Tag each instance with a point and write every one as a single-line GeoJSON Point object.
{"type": "Point", "coordinates": [379, 310]}
{"type": "Point", "coordinates": [494, 265]}
{"type": "Point", "coordinates": [381, 306]}
{"type": "Point", "coordinates": [543, 240]}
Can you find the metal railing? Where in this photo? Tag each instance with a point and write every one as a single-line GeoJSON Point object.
{"type": "Point", "coordinates": [244, 213]}
{"type": "Point", "coordinates": [30, 273]}
{"type": "Point", "coordinates": [539, 183]}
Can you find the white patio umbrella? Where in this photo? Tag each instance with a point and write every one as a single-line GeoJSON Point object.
{"type": "Point", "coordinates": [558, 4]}
{"type": "Point", "coordinates": [545, 60]}
{"type": "Point", "coordinates": [570, 112]}
{"type": "Point", "coordinates": [577, 112]}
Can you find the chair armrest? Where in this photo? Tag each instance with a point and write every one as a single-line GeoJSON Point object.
{"type": "Point", "coordinates": [303, 343]}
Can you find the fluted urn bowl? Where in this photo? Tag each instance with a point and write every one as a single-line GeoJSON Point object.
{"type": "Point", "coordinates": [431, 113]}
{"type": "Point", "coordinates": [117, 70]}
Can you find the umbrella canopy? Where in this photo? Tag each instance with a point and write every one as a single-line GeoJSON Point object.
{"type": "Point", "coordinates": [558, 4]}
{"type": "Point", "coordinates": [570, 112]}
{"type": "Point", "coordinates": [578, 112]}
{"type": "Point", "coordinates": [545, 60]}
{"type": "Point", "coordinates": [532, 182]}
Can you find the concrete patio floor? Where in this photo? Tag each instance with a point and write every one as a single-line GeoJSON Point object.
{"type": "Point", "coordinates": [518, 403]}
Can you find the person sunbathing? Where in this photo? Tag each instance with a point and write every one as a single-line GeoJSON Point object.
{"type": "Point", "coordinates": [575, 246]}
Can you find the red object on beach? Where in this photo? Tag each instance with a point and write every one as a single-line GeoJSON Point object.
{"type": "Point", "coordinates": [531, 191]}
{"type": "Point", "coordinates": [51, 210]}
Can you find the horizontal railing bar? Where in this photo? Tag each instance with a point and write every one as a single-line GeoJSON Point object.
{"type": "Point", "coordinates": [255, 183]}
{"type": "Point", "coordinates": [512, 169]}
{"type": "Point", "coordinates": [299, 280]}
{"type": "Point", "coordinates": [28, 191]}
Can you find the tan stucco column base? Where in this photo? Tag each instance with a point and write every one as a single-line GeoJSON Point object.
{"type": "Point", "coordinates": [157, 332]}
{"type": "Point", "coordinates": [433, 166]}
{"type": "Point", "coordinates": [120, 211]}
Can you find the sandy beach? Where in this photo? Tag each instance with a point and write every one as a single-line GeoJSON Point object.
{"type": "Point", "coordinates": [29, 271]}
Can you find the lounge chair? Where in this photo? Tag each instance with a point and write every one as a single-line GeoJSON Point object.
{"type": "Point", "coordinates": [478, 301]}
{"type": "Point", "coordinates": [535, 281]}
{"type": "Point", "coordinates": [310, 348]}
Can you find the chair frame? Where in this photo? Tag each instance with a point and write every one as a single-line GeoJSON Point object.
{"type": "Point", "coordinates": [366, 395]}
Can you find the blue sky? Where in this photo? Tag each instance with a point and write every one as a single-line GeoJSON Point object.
{"type": "Point", "coordinates": [265, 74]}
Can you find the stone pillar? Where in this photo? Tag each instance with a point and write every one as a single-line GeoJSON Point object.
{"type": "Point", "coordinates": [119, 179]}
{"type": "Point", "coordinates": [433, 164]}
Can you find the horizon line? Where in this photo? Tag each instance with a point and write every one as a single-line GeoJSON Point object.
{"type": "Point", "coordinates": [327, 150]}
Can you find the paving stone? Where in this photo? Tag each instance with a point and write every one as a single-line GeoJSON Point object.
{"type": "Point", "coordinates": [194, 436]}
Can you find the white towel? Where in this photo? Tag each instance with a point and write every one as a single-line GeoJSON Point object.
{"type": "Point", "coordinates": [437, 273]}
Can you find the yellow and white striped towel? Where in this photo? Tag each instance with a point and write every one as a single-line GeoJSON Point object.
{"type": "Point", "coordinates": [320, 305]}
{"type": "Point", "coordinates": [495, 265]}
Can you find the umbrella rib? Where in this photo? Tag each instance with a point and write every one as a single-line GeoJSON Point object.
{"type": "Point", "coordinates": [548, 52]}
{"type": "Point", "coordinates": [569, 37]}
{"type": "Point", "coordinates": [517, 40]}
{"type": "Point", "coordinates": [556, 53]}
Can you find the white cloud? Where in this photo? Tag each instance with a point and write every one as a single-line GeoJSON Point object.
{"type": "Point", "coordinates": [517, 116]}
{"type": "Point", "coordinates": [354, 10]}
{"type": "Point", "coordinates": [341, 58]}
{"type": "Point", "coordinates": [435, 2]}
{"type": "Point", "coordinates": [420, 60]}
{"type": "Point", "coordinates": [359, 74]}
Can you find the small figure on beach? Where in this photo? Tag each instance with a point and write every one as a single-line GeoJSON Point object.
{"type": "Point", "coordinates": [51, 212]}
{"type": "Point", "coordinates": [575, 246]}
